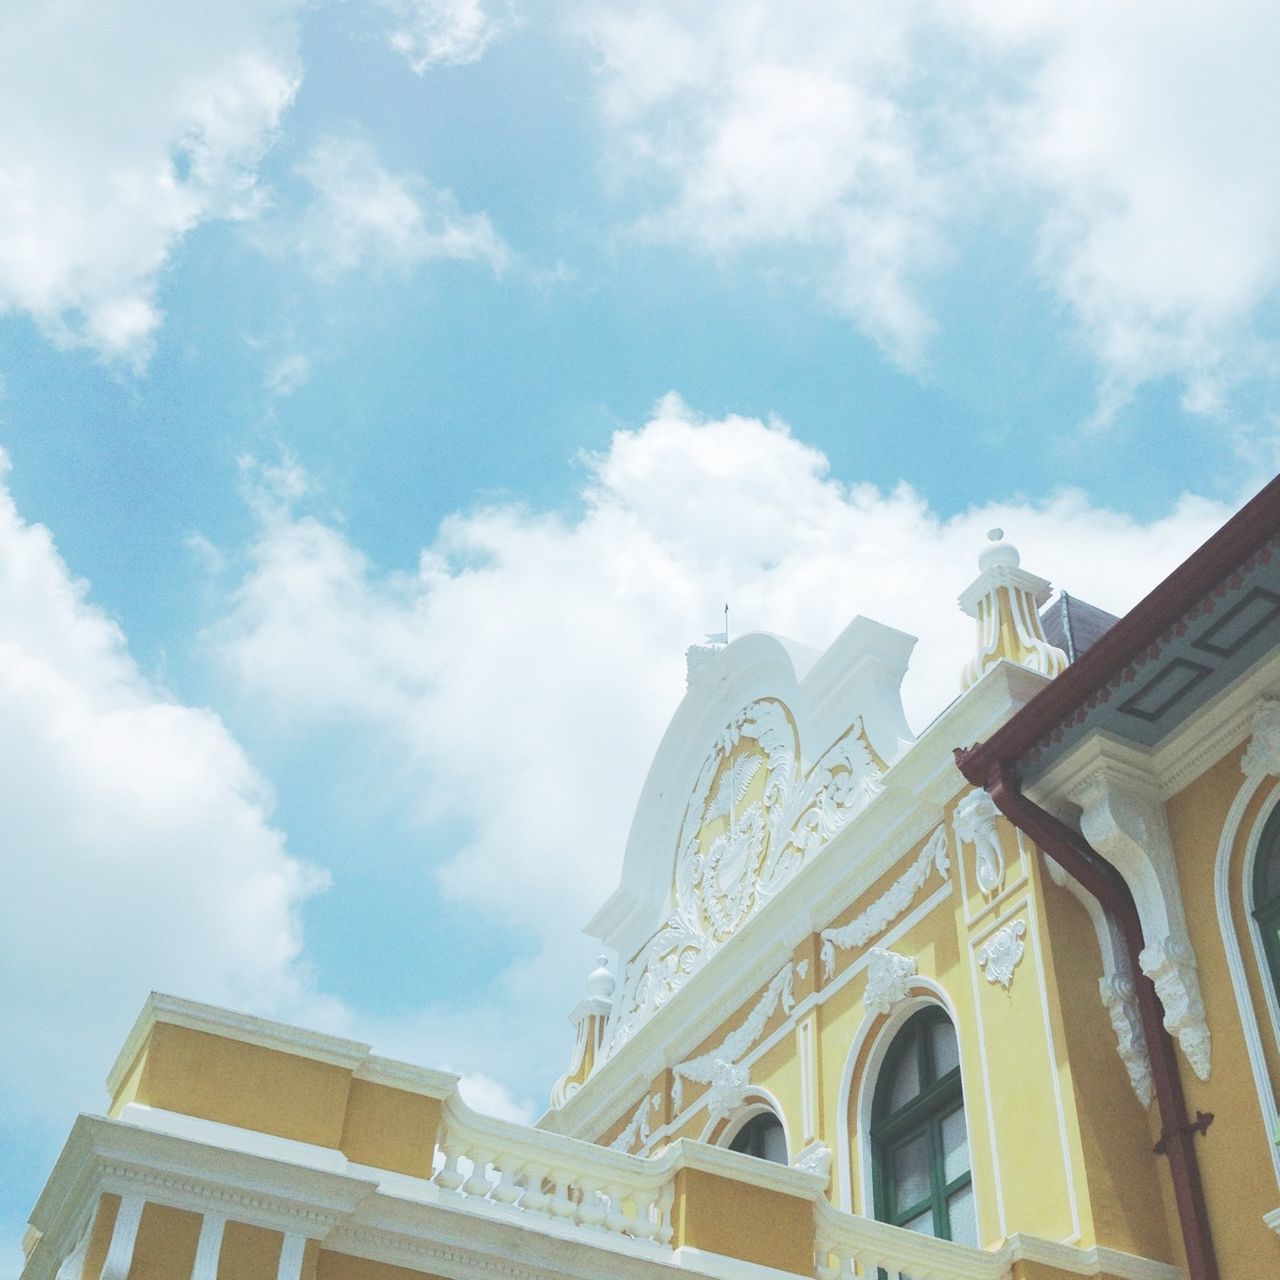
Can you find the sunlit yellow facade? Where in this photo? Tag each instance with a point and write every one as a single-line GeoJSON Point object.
{"type": "Point", "coordinates": [860, 1009]}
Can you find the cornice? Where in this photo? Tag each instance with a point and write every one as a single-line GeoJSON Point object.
{"type": "Point", "coordinates": [407, 1077]}
{"type": "Point", "coordinates": [916, 790]}
{"type": "Point", "coordinates": [231, 1025]}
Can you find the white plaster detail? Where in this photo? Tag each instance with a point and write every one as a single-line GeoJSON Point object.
{"type": "Point", "coordinates": [1123, 817]}
{"type": "Point", "coordinates": [1120, 1000]}
{"type": "Point", "coordinates": [720, 1068]}
{"type": "Point", "coordinates": [1115, 986]}
{"type": "Point", "coordinates": [72, 1267]}
{"type": "Point", "coordinates": [890, 905]}
{"type": "Point", "coordinates": [1262, 757]}
{"type": "Point", "coordinates": [975, 824]}
{"type": "Point", "coordinates": [208, 1247]}
{"type": "Point", "coordinates": [889, 976]}
{"type": "Point", "coordinates": [698, 657]}
{"type": "Point", "coordinates": [1272, 1219]}
{"type": "Point", "coordinates": [124, 1235]}
{"type": "Point", "coordinates": [589, 1018]}
{"type": "Point", "coordinates": [735, 852]}
{"type": "Point", "coordinates": [292, 1252]}
{"type": "Point", "coordinates": [636, 1131]}
{"type": "Point", "coordinates": [999, 955]}
{"type": "Point", "coordinates": [815, 1159]}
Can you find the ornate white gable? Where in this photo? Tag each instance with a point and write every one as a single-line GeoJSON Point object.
{"type": "Point", "coordinates": [728, 827]}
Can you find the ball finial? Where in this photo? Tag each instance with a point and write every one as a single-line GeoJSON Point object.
{"type": "Point", "coordinates": [998, 552]}
{"type": "Point", "coordinates": [600, 982]}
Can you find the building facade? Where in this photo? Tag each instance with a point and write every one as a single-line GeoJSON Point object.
{"type": "Point", "coordinates": [880, 1006]}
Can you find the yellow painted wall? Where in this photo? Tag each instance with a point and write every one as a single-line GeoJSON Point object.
{"type": "Point", "coordinates": [166, 1244]}
{"type": "Point", "coordinates": [217, 1078]}
{"type": "Point", "coordinates": [1239, 1180]}
{"type": "Point", "coordinates": [724, 1216]}
{"type": "Point", "coordinates": [249, 1253]}
{"type": "Point", "coordinates": [390, 1128]}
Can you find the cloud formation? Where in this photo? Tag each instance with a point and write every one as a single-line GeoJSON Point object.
{"type": "Point", "coordinates": [114, 148]}
{"type": "Point", "coordinates": [428, 33]}
{"type": "Point", "coordinates": [362, 216]}
{"type": "Point", "coordinates": [864, 143]}
{"type": "Point", "coordinates": [522, 673]}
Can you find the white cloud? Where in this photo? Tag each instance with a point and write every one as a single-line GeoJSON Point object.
{"type": "Point", "coordinates": [287, 373]}
{"type": "Point", "coordinates": [362, 215]}
{"type": "Point", "coordinates": [430, 33]}
{"type": "Point", "coordinates": [522, 674]}
{"type": "Point", "coordinates": [853, 143]}
{"type": "Point", "coordinates": [122, 128]}
{"type": "Point", "coordinates": [137, 841]}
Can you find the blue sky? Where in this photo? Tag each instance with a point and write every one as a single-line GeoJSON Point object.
{"type": "Point", "coordinates": [391, 389]}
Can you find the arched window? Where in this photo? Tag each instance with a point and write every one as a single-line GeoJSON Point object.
{"type": "Point", "coordinates": [919, 1141]}
{"type": "Point", "coordinates": [1266, 896]}
{"type": "Point", "coordinates": [762, 1136]}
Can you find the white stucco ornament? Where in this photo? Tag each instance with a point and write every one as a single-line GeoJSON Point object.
{"type": "Point", "coordinates": [999, 955]}
{"type": "Point", "coordinates": [975, 824]}
{"type": "Point", "coordinates": [815, 1159]}
{"type": "Point", "coordinates": [889, 977]}
{"type": "Point", "coordinates": [1263, 755]}
{"type": "Point", "coordinates": [754, 818]}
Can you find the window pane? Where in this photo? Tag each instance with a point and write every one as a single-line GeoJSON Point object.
{"type": "Point", "coordinates": [1270, 876]}
{"type": "Point", "coordinates": [922, 1222]}
{"type": "Point", "coordinates": [773, 1141]}
{"type": "Point", "coordinates": [964, 1222]}
{"type": "Point", "coordinates": [909, 1165]}
{"type": "Point", "coordinates": [946, 1055]}
{"type": "Point", "coordinates": [906, 1084]}
{"type": "Point", "coordinates": [955, 1146]}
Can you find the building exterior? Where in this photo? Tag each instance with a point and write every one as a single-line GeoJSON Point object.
{"type": "Point", "coordinates": [881, 1007]}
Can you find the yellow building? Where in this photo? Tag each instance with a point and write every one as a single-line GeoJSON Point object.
{"type": "Point", "coordinates": [874, 1013]}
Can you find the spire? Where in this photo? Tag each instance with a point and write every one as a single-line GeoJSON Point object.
{"type": "Point", "coordinates": [1006, 599]}
{"type": "Point", "coordinates": [590, 1019]}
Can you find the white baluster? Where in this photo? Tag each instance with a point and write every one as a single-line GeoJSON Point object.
{"type": "Point", "coordinates": [123, 1237]}
{"type": "Point", "coordinates": [208, 1247]}
{"type": "Point", "coordinates": [561, 1205]}
{"type": "Point", "coordinates": [508, 1190]}
{"type": "Point", "coordinates": [645, 1225]}
{"type": "Point", "coordinates": [291, 1254]}
{"type": "Point", "coordinates": [449, 1176]}
{"type": "Point", "coordinates": [666, 1199]}
{"type": "Point", "coordinates": [534, 1197]}
{"type": "Point", "coordinates": [478, 1183]}
{"type": "Point", "coordinates": [616, 1218]}
{"type": "Point", "coordinates": [591, 1206]}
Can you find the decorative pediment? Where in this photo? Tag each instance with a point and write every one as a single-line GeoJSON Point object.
{"type": "Point", "coordinates": [753, 807]}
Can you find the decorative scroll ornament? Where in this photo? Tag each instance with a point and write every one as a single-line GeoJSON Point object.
{"type": "Point", "coordinates": [815, 1159]}
{"type": "Point", "coordinates": [888, 979]}
{"type": "Point", "coordinates": [1121, 1002]}
{"type": "Point", "coordinates": [720, 1068]}
{"type": "Point", "coordinates": [1171, 966]}
{"type": "Point", "coordinates": [975, 824]}
{"type": "Point", "coordinates": [753, 821]}
{"type": "Point", "coordinates": [1000, 954]}
{"type": "Point", "coordinates": [1263, 756]}
{"type": "Point", "coordinates": [890, 905]}
{"type": "Point", "coordinates": [636, 1132]}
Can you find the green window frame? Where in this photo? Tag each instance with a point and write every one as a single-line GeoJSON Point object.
{"type": "Point", "coordinates": [1266, 896]}
{"type": "Point", "coordinates": [921, 1174]}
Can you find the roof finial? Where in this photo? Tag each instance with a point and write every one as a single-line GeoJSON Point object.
{"type": "Point", "coordinates": [1005, 599]}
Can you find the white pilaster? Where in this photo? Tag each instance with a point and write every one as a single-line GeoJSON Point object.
{"type": "Point", "coordinates": [208, 1247]}
{"type": "Point", "coordinates": [291, 1253]}
{"type": "Point", "coordinates": [123, 1237]}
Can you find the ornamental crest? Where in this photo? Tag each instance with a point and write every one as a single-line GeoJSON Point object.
{"type": "Point", "coordinates": [752, 821]}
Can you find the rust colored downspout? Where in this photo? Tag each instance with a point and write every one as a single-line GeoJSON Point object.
{"type": "Point", "coordinates": [1073, 853]}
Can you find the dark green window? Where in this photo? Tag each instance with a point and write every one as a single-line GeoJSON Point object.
{"type": "Point", "coordinates": [762, 1136]}
{"type": "Point", "coordinates": [1266, 896]}
{"type": "Point", "coordinates": [919, 1140]}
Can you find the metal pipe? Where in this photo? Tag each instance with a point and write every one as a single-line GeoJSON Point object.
{"type": "Point", "coordinates": [1073, 853]}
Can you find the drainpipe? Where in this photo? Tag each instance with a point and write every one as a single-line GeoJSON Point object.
{"type": "Point", "coordinates": [1073, 853]}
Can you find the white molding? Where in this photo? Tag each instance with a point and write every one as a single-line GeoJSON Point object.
{"type": "Point", "coordinates": [1085, 1261]}
{"type": "Point", "coordinates": [1272, 1219]}
{"type": "Point", "coordinates": [1249, 788]}
{"type": "Point", "coordinates": [428, 1082]}
{"type": "Point", "coordinates": [124, 1235]}
{"type": "Point", "coordinates": [808, 1065]}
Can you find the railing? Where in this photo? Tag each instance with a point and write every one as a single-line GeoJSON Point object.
{"type": "Point", "coordinates": [848, 1247]}
{"type": "Point", "coordinates": [556, 1177]}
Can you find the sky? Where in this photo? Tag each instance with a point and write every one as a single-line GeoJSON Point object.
{"type": "Point", "coordinates": [391, 390]}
